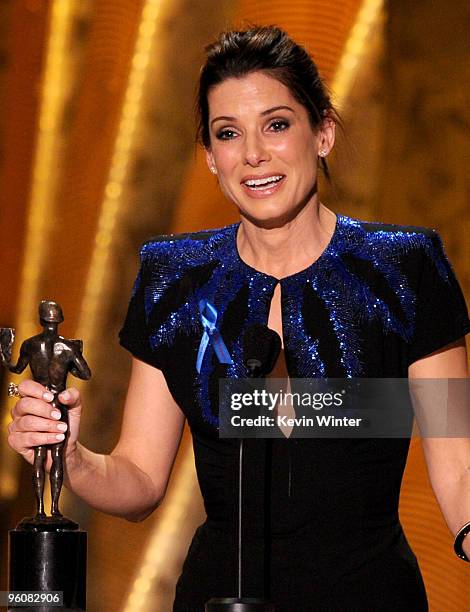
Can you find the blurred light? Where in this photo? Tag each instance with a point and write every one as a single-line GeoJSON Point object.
{"type": "Point", "coordinates": [54, 87]}
{"type": "Point", "coordinates": [114, 191]}
{"type": "Point", "coordinates": [369, 17]}
{"type": "Point", "coordinates": [161, 545]}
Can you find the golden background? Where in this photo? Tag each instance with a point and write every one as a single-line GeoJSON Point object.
{"type": "Point", "coordinates": [97, 155]}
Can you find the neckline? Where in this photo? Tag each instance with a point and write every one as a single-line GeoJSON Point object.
{"type": "Point", "coordinates": [326, 251]}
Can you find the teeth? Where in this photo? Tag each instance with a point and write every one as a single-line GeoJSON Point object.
{"type": "Point", "coordinates": [263, 181]}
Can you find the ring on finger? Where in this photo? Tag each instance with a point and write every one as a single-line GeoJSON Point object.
{"type": "Point", "coordinates": [13, 390]}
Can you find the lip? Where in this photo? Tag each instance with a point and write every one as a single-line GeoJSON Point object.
{"type": "Point", "coordinates": [252, 177]}
{"type": "Point", "coordinates": [264, 192]}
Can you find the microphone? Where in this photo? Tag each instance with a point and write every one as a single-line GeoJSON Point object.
{"type": "Point", "coordinates": [261, 348]}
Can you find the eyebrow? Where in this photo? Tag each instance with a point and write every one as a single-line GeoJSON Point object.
{"type": "Point", "coordinates": [263, 114]}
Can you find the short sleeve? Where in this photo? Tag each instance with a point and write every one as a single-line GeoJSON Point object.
{"type": "Point", "coordinates": [441, 314]}
{"type": "Point", "coordinates": [135, 335]}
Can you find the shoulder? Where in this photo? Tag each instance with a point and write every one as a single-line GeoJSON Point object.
{"type": "Point", "coordinates": [382, 231]}
{"type": "Point", "coordinates": [33, 340]}
{"type": "Point", "coordinates": [405, 253]}
{"type": "Point", "coordinates": [183, 260]}
{"type": "Point", "coordinates": [394, 240]}
{"type": "Point", "coordinates": [194, 247]}
{"type": "Point", "coordinates": [72, 344]}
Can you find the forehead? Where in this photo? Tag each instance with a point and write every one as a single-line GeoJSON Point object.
{"type": "Point", "coordinates": [252, 93]}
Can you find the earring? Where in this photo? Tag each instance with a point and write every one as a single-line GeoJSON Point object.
{"type": "Point", "coordinates": [322, 153]}
{"type": "Point", "coordinates": [213, 170]}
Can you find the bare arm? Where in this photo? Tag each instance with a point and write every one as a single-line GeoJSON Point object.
{"type": "Point", "coordinates": [23, 361]}
{"type": "Point", "coordinates": [134, 477]}
{"type": "Point", "coordinates": [80, 367]}
{"type": "Point", "coordinates": [131, 481]}
{"type": "Point", "coordinates": [448, 459]}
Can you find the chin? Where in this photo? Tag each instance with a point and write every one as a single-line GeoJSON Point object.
{"type": "Point", "coordinates": [271, 214]}
{"type": "Point", "coordinates": [268, 217]}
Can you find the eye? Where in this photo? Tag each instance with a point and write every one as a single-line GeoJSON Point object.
{"type": "Point", "coordinates": [278, 125]}
{"type": "Point", "coordinates": [226, 134]}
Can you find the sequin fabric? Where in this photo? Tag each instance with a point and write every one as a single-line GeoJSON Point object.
{"type": "Point", "coordinates": [358, 280]}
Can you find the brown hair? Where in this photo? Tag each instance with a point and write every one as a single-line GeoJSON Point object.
{"type": "Point", "coordinates": [269, 49]}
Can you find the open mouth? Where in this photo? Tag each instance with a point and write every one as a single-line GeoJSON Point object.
{"type": "Point", "coordinates": [265, 183]}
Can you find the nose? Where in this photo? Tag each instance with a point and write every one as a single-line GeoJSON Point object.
{"type": "Point", "coordinates": [255, 150]}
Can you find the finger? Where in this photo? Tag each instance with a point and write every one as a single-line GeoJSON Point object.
{"type": "Point", "coordinates": [71, 397]}
{"type": "Point", "coordinates": [32, 388]}
{"type": "Point", "coordinates": [30, 405]}
{"type": "Point", "coordinates": [30, 422]}
{"type": "Point", "coordinates": [27, 453]}
{"type": "Point", "coordinates": [23, 441]}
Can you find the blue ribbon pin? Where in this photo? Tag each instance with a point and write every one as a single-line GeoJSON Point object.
{"type": "Point", "coordinates": [209, 320]}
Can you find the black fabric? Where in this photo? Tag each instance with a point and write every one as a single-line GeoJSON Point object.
{"type": "Point", "coordinates": [336, 539]}
{"type": "Point", "coordinates": [366, 271]}
{"type": "Point", "coordinates": [442, 315]}
{"type": "Point", "coordinates": [328, 347]}
{"type": "Point", "coordinates": [134, 334]}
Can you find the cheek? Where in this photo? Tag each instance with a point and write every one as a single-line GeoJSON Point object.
{"type": "Point", "coordinates": [225, 157]}
{"type": "Point", "coordinates": [295, 148]}
{"type": "Point", "coordinates": [227, 181]}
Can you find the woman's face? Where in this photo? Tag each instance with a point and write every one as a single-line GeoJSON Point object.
{"type": "Point", "coordinates": [263, 147]}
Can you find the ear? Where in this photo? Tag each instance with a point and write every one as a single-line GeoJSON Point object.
{"type": "Point", "coordinates": [210, 160]}
{"type": "Point", "coordinates": [326, 135]}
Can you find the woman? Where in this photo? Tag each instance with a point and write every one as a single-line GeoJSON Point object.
{"type": "Point", "coordinates": [348, 298]}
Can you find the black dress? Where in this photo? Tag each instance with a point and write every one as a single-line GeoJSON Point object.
{"type": "Point", "coordinates": [379, 297]}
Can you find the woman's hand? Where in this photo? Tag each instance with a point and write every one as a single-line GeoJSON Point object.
{"type": "Point", "coordinates": [36, 422]}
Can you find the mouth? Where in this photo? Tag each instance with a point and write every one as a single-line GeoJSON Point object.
{"type": "Point", "coordinates": [263, 185]}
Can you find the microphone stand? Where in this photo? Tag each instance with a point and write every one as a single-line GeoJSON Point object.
{"type": "Point", "coordinates": [241, 604]}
